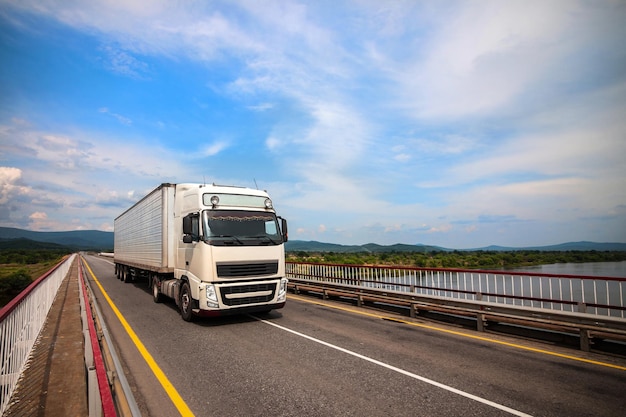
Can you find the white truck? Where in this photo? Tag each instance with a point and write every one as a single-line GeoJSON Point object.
{"type": "Point", "coordinates": [214, 249]}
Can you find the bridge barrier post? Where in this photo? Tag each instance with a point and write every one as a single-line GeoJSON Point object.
{"type": "Point", "coordinates": [481, 323]}
{"type": "Point", "coordinates": [585, 340]}
{"type": "Point", "coordinates": [88, 350]}
{"type": "Point", "coordinates": [95, 403]}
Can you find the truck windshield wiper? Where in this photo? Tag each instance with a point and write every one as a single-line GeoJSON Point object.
{"type": "Point", "coordinates": [232, 237]}
{"type": "Point", "coordinates": [264, 237]}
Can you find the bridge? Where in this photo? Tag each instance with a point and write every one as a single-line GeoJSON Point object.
{"type": "Point", "coordinates": [352, 340]}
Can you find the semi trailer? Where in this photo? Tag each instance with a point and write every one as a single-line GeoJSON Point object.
{"type": "Point", "coordinates": [213, 249]}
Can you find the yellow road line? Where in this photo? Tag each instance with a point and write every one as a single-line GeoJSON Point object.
{"type": "Point", "coordinates": [178, 401]}
{"type": "Point", "coordinates": [456, 333]}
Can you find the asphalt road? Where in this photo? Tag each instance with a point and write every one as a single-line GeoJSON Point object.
{"type": "Point", "coordinates": [315, 358]}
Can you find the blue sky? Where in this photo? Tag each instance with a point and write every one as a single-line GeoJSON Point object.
{"type": "Point", "coordinates": [452, 123]}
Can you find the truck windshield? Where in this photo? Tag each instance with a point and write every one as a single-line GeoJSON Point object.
{"type": "Point", "coordinates": [234, 227]}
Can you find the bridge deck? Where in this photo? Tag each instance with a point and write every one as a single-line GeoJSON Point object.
{"type": "Point", "coordinates": [54, 381]}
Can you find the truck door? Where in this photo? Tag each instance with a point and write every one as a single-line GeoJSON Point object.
{"type": "Point", "coordinates": [191, 237]}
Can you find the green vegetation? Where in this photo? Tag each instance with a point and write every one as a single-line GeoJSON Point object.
{"type": "Point", "coordinates": [459, 259]}
{"type": "Point", "coordinates": [19, 267]}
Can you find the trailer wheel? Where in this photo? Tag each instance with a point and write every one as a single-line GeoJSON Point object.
{"type": "Point", "coordinates": [185, 302]}
{"type": "Point", "coordinates": [157, 297]}
{"type": "Point", "coordinates": [126, 275]}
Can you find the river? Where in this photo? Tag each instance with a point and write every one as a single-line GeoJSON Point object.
{"type": "Point", "coordinates": [598, 269]}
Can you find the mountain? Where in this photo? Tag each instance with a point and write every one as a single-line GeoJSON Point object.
{"type": "Point", "coordinates": [561, 247]}
{"type": "Point", "coordinates": [313, 246]}
{"type": "Point", "coordinates": [23, 243]}
{"type": "Point", "coordinates": [77, 239]}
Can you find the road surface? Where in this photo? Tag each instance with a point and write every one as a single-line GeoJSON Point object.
{"type": "Point", "coordinates": [319, 358]}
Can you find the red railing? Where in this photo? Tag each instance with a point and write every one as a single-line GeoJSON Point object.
{"type": "Point", "coordinates": [20, 323]}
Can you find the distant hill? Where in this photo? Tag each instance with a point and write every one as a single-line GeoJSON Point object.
{"type": "Point", "coordinates": [77, 239]}
{"type": "Point", "coordinates": [582, 246]}
{"type": "Point", "coordinates": [23, 243]}
{"type": "Point", "coordinates": [313, 246]}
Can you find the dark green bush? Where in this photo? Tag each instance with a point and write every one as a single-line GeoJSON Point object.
{"type": "Point", "coordinates": [13, 284]}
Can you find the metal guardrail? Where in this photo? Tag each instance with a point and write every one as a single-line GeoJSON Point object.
{"type": "Point", "coordinates": [430, 290]}
{"type": "Point", "coordinates": [122, 394]}
{"type": "Point", "coordinates": [603, 296]}
{"type": "Point", "coordinates": [20, 323]}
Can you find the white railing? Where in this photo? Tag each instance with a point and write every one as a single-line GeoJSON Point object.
{"type": "Point", "coordinates": [585, 294]}
{"type": "Point", "coordinates": [20, 323]}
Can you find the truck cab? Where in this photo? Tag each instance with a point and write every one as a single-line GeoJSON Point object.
{"type": "Point", "coordinates": [229, 252]}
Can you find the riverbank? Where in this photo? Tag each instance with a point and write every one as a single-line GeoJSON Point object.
{"type": "Point", "coordinates": [461, 259]}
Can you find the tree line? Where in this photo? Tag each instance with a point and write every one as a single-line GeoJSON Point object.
{"type": "Point", "coordinates": [30, 256]}
{"type": "Point", "coordinates": [459, 259]}
{"type": "Point", "coordinates": [19, 267]}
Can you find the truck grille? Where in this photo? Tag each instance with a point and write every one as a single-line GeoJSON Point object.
{"type": "Point", "coordinates": [247, 270]}
{"type": "Point", "coordinates": [233, 295]}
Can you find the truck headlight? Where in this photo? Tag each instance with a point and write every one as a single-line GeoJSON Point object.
{"type": "Point", "coordinates": [211, 296]}
{"type": "Point", "coordinates": [282, 290]}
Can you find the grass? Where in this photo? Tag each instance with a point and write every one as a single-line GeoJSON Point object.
{"type": "Point", "coordinates": [13, 277]}
{"type": "Point", "coordinates": [34, 270]}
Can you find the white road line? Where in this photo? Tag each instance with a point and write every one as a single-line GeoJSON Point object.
{"type": "Point", "coordinates": [402, 371]}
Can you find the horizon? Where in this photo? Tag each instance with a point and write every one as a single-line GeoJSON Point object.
{"type": "Point", "coordinates": [457, 124]}
{"type": "Point", "coordinates": [379, 244]}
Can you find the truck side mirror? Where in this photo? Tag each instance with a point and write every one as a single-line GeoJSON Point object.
{"type": "Point", "coordinates": [187, 226]}
{"type": "Point", "coordinates": [283, 226]}
{"type": "Point", "coordinates": [190, 228]}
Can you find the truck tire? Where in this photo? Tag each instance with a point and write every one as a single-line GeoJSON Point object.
{"type": "Point", "coordinates": [157, 297]}
{"type": "Point", "coordinates": [186, 304]}
{"type": "Point", "coordinates": [126, 275]}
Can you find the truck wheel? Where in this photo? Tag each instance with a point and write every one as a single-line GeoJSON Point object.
{"type": "Point", "coordinates": [126, 275]}
{"type": "Point", "coordinates": [157, 297]}
{"type": "Point", "coordinates": [185, 302]}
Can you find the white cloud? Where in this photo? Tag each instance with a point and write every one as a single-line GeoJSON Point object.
{"type": "Point", "coordinates": [272, 142]}
{"type": "Point", "coordinates": [484, 57]}
{"type": "Point", "coordinates": [123, 63]}
{"type": "Point", "coordinates": [38, 215]}
{"type": "Point", "coordinates": [86, 179]}
{"type": "Point", "coordinates": [402, 157]}
{"type": "Point", "coordinates": [39, 221]}
{"type": "Point", "coordinates": [122, 119]}
{"type": "Point", "coordinates": [214, 148]}
{"type": "Point", "coordinates": [261, 107]}
{"type": "Point", "coordinates": [446, 145]}
{"type": "Point", "coordinates": [10, 187]}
